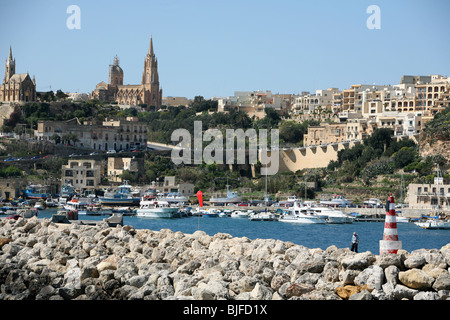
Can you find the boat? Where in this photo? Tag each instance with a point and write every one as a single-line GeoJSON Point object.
{"type": "Point", "coordinates": [156, 209]}
{"type": "Point", "coordinates": [301, 215]}
{"type": "Point", "coordinates": [331, 215]}
{"type": "Point", "coordinates": [39, 205]}
{"type": "Point", "coordinates": [36, 192]}
{"type": "Point", "coordinates": [262, 216]}
{"type": "Point", "coordinates": [336, 200]}
{"type": "Point", "coordinates": [23, 213]}
{"type": "Point", "coordinates": [232, 197]}
{"type": "Point", "coordinates": [83, 207]}
{"type": "Point", "coordinates": [402, 219]}
{"type": "Point", "coordinates": [67, 191]}
{"type": "Point", "coordinates": [225, 213]}
{"type": "Point", "coordinates": [290, 201]}
{"type": "Point", "coordinates": [210, 213]}
{"type": "Point", "coordinates": [175, 197]}
{"type": "Point", "coordinates": [432, 223]}
{"type": "Point", "coordinates": [373, 202]}
{"type": "Point", "coordinates": [240, 214]}
{"type": "Point", "coordinates": [122, 196]}
{"type": "Point", "coordinates": [49, 203]}
{"type": "Point", "coordinates": [435, 222]}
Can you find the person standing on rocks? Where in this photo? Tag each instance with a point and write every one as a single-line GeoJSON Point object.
{"type": "Point", "coordinates": [355, 242]}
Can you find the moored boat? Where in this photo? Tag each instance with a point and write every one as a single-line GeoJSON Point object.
{"type": "Point", "coordinates": [157, 209]}
{"type": "Point", "coordinates": [122, 196]}
{"type": "Point", "coordinates": [301, 215]}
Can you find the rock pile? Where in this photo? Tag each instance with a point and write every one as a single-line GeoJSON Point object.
{"type": "Point", "coordinates": [47, 261]}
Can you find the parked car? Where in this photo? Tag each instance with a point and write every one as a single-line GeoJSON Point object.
{"type": "Point", "coordinates": [111, 152]}
{"type": "Point", "coordinates": [93, 153]}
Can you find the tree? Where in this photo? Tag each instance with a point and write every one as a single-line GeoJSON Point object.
{"type": "Point", "coordinates": [403, 157]}
{"type": "Point", "coordinates": [68, 137]}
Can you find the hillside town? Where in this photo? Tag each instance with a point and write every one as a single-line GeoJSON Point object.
{"type": "Point", "coordinates": [99, 153]}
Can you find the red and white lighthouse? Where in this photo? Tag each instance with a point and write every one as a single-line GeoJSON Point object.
{"type": "Point", "coordinates": [390, 243]}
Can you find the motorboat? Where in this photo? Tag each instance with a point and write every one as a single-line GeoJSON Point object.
{"type": "Point", "coordinates": [157, 209]}
{"type": "Point", "coordinates": [51, 202]}
{"type": "Point", "coordinates": [373, 202]}
{"type": "Point", "coordinates": [433, 223]}
{"type": "Point", "coordinates": [225, 213]}
{"type": "Point", "coordinates": [290, 201]}
{"type": "Point", "coordinates": [331, 215]}
{"type": "Point", "coordinates": [39, 205]}
{"type": "Point", "coordinates": [336, 200]}
{"type": "Point", "coordinates": [175, 198]}
{"type": "Point", "coordinates": [210, 213]}
{"type": "Point", "coordinates": [302, 215]}
{"type": "Point", "coordinates": [82, 206]}
{"type": "Point", "coordinates": [240, 214]}
{"type": "Point", "coordinates": [122, 196]}
{"type": "Point", "coordinates": [262, 216]}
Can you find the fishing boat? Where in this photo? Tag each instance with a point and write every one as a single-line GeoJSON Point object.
{"type": "Point", "coordinates": [157, 209]}
{"type": "Point", "coordinates": [36, 192]}
{"type": "Point", "coordinates": [232, 197]}
{"type": "Point", "coordinates": [67, 191]}
{"type": "Point", "coordinates": [122, 196]}
{"type": "Point", "coordinates": [301, 214]}
{"type": "Point", "coordinates": [336, 200]}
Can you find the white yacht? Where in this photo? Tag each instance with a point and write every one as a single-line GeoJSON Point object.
{"type": "Point", "coordinates": [336, 200]}
{"type": "Point", "coordinates": [239, 214]}
{"type": "Point", "coordinates": [331, 215]}
{"type": "Point", "coordinates": [156, 209]}
{"type": "Point", "coordinates": [433, 223]}
{"type": "Point", "coordinates": [175, 198]}
{"type": "Point", "coordinates": [301, 214]}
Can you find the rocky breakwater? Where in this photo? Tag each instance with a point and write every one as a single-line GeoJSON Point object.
{"type": "Point", "coordinates": [43, 260]}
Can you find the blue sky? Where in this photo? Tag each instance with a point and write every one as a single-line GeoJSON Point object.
{"type": "Point", "coordinates": [213, 48]}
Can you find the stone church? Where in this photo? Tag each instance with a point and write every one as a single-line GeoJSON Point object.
{"type": "Point", "coordinates": [148, 92]}
{"type": "Point", "coordinates": [16, 87]}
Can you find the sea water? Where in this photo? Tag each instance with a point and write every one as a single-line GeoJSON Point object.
{"type": "Point", "coordinates": [308, 235]}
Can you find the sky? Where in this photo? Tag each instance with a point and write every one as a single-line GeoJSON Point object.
{"type": "Point", "coordinates": [213, 48]}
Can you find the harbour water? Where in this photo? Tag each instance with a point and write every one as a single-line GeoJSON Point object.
{"type": "Point", "coordinates": [309, 235]}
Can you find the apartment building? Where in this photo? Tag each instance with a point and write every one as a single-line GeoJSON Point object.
{"type": "Point", "coordinates": [254, 103]}
{"type": "Point", "coordinates": [119, 134]}
{"type": "Point", "coordinates": [433, 96]}
{"type": "Point", "coordinates": [117, 165]}
{"type": "Point", "coordinates": [425, 196]}
{"type": "Point", "coordinates": [82, 174]}
{"type": "Point", "coordinates": [325, 133]}
{"type": "Point", "coordinates": [319, 101]}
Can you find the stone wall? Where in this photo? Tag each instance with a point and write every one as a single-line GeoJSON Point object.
{"type": "Point", "coordinates": [46, 261]}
